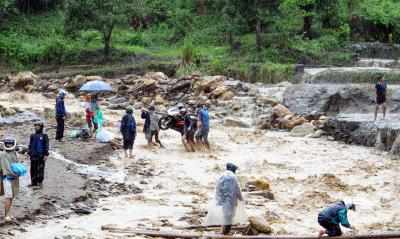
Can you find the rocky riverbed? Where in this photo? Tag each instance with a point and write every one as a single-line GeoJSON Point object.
{"type": "Point", "coordinates": [89, 185]}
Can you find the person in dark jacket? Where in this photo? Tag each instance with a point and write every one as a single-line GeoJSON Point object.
{"type": "Point", "coordinates": [380, 88]}
{"type": "Point", "coordinates": [189, 131]}
{"type": "Point", "coordinates": [151, 128]}
{"type": "Point", "coordinates": [128, 131]}
{"type": "Point", "coordinates": [38, 152]}
{"type": "Point", "coordinates": [60, 115]}
{"type": "Point", "coordinates": [334, 215]}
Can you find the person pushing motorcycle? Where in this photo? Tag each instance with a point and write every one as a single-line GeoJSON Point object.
{"type": "Point", "coordinates": [188, 130]}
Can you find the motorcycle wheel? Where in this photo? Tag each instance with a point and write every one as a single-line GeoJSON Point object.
{"type": "Point", "coordinates": [165, 122]}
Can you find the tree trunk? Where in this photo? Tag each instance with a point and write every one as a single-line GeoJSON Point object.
{"type": "Point", "coordinates": [201, 7]}
{"type": "Point", "coordinates": [258, 35]}
{"type": "Point", "coordinates": [307, 21]}
{"type": "Point", "coordinates": [230, 40]}
{"type": "Point", "coordinates": [258, 28]}
{"type": "Point", "coordinates": [107, 42]}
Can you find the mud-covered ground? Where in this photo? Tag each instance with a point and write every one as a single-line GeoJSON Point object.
{"type": "Point", "coordinates": [175, 186]}
{"type": "Point", "coordinates": [304, 174]}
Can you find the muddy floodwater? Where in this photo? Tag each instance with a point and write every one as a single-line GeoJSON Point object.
{"type": "Point", "coordinates": [305, 174]}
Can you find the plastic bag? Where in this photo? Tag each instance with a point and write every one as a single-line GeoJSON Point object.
{"type": "Point", "coordinates": [104, 136]}
{"type": "Point", "coordinates": [215, 215]}
{"type": "Point", "coordinates": [18, 169]}
{"type": "Point", "coordinates": [74, 134]}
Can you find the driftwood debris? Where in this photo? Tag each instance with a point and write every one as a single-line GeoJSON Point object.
{"type": "Point", "coordinates": [175, 234]}
{"type": "Point", "coordinates": [210, 228]}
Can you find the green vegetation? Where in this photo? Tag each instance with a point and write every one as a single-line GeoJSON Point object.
{"type": "Point", "coordinates": [256, 40]}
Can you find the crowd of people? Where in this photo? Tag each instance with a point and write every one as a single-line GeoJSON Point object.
{"type": "Point", "coordinates": [38, 149]}
{"type": "Point", "coordinates": [194, 131]}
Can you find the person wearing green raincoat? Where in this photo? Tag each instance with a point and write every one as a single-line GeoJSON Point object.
{"type": "Point", "coordinates": [98, 119]}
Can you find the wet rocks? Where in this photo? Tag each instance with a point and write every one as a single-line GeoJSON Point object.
{"type": "Point", "coordinates": [19, 118]}
{"type": "Point", "coordinates": [260, 225]}
{"type": "Point", "coordinates": [233, 122]}
{"type": "Point", "coordinates": [352, 130]}
{"type": "Point", "coordinates": [315, 100]}
{"type": "Point", "coordinates": [115, 189]}
{"type": "Point", "coordinates": [302, 130]}
{"type": "Point", "coordinates": [258, 184]}
{"type": "Point", "coordinates": [23, 81]}
{"type": "Point", "coordinates": [75, 83]}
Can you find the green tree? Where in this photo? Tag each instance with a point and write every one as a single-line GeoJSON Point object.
{"type": "Point", "coordinates": [384, 15]}
{"type": "Point", "coordinates": [5, 6]}
{"type": "Point", "coordinates": [303, 8]}
{"type": "Point", "coordinates": [102, 16]}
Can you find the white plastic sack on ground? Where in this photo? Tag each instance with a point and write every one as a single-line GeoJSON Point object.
{"type": "Point", "coordinates": [104, 136]}
{"type": "Point", "coordinates": [215, 214]}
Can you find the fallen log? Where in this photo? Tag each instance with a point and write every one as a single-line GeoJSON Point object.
{"type": "Point", "coordinates": [164, 234]}
{"type": "Point", "coordinates": [211, 227]}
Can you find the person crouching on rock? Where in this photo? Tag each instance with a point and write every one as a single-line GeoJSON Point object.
{"type": "Point", "coordinates": [334, 215]}
{"type": "Point", "coordinates": [380, 97]}
{"type": "Point", "coordinates": [151, 128]}
{"type": "Point", "coordinates": [9, 181]}
{"type": "Point", "coordinates": [38, 152]}
{"type": "Point", "coordinates": [128, 131]}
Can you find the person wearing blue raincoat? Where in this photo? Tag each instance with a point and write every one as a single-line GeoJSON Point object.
{"type": "Point", "coordinates": [228, 195]}
{"type": "Point", "coordinates": [331, 217]}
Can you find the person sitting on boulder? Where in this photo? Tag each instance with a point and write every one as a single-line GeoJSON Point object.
{"type": "Point", "coordinates": [9, 181]}
{"type": "Point", "coordinates": [380, 88]}
{"type": "Point", "coordinates": [38, 152]}
{"type": "Point", "coordinates": [128, 131]}
{"type": "Point", "coordinates": [151, 128]}
{"type": "Point", "coordinates": [334, 215]}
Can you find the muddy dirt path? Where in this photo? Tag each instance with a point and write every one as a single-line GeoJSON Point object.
{"type": "Point", "coordinates": [305, 174]}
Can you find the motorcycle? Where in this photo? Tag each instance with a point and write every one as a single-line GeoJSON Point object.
{"type": "Point", "coordinates": [173, 120]}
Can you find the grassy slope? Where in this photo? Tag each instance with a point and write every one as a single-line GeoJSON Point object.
{"type": "Point", "coordinates": [38, 42]}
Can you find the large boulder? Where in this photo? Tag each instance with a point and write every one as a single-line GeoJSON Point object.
{"type": "Point", "coordinates": [280, 111]}
{"type": "Point", "coordinates": [157, 76]}
{"type": "Point", "coordinates": [228, 95]}
{"type": "Point", "coordinates": [93, 78]}
{"type": "Point", "coordinates": [315, 100]}
{"type": "Point", "coordinates": [75, 83]}
{"type": "Point", "coordinates": [266, 100]}
{"type": "Point", "coordinates": [23, 80]}
{"type": "Point", "coordinates": [290, 121]}
{"type": "Point", "coordinates": [208, 84]}
{"type": "Point", "coordinates": [302, 130]}
{"type": "Point", "coordinates": [260, 225]}
{"type": "Point", "coordinates": [259, 184]}
{"type": "Point", "coordinates": [222, 92]}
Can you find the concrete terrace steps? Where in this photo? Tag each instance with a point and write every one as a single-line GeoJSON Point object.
{"type": "Point", "coordinates": [346, 75]}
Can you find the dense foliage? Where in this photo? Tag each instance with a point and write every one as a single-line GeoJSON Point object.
{"type": "Point", "coordinates": [225, 36]}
